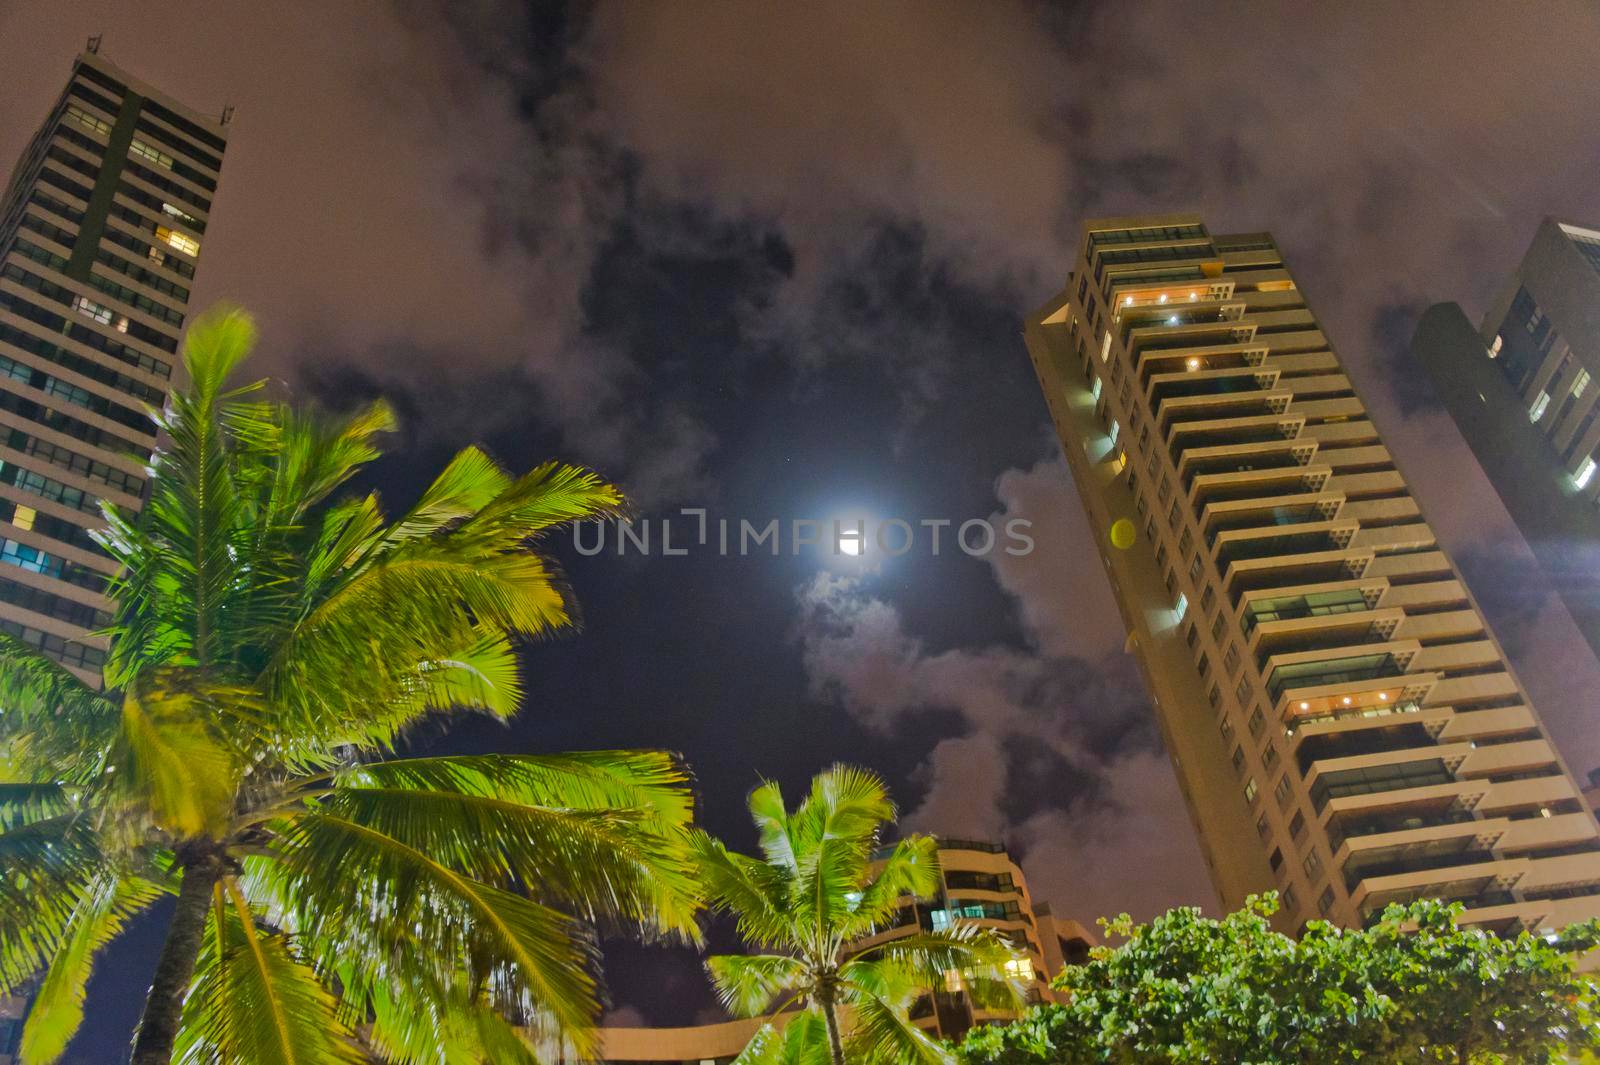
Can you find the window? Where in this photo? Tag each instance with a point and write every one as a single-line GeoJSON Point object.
{"type": "Point", "coordinates": [1140, 505]}
{"type": "Point", "coordinates": [1291, 901]}
{"type": "Point", "coordinates": [145, 151]}
{"type": "Point", "coordinates": [1185, 542]}
{"type": "Point", "coordinates": [181, 241]}
{"type": "Point", "coordinates": [179, 214]}
{"type": "Point", "coordinates": [1281, 791]}
{"type": "Point", "coordinates": [1194, 568]}
{"type": "Point", "coordinates": [88, 121]}
{"type": "Point", "coordinates": [1161, 560]}
{"type": "Point", "coordinates": [1312, 865]}
{"type": "Point", "coordinates": [1579, 383]}
{"type": "Point", "coordinates": [99, 312]}
{"type": "Point", "coordinates": [1225, 725]}
{"type": "Point", "coordinates": [1181, 607]}
{"type": "Point", "coordinates": [1269, 757]}
{"type": "Point", "coordinates": [1238, 761]}
{"type": "Point", "coordinates": [1204, 665]}
{"type": "Point", "coordinates": [1208, 598]}
{"type": "Point", "coordinates": [1216, 626]}
{"type": "Point", "coordinates": [1263, 827]}
{"type": "Point", "coordinates": [1540, 402]}
{"type": "Point", "coordinates": [1230, 661]}
{"type": "Point", "coordinates": [1250, 790]}
{"type": "Point", "coordinates": [1243, 691]}
{"type": "Point", "coordinates": [1585, 473]}
{"type": "Point", "coordinates": [1095, 391]}
{"type": "Point", "coordinates": [1276, 861]}
{"type": "Point", "coordinates": [1172, 515]}
{"type": "Point", "coordinates": [1325, 900]}
{"type": "Point", "coordinates": [1297, 826]}
{"type": "Point", "coordinates": [1258, 721]}
{"type": "Point", "coordinates": [1214, 697]}
{"type": "Point", "coordinates": [1163, 490]}
{"type": "Point", "coordinates": [1191, 636]}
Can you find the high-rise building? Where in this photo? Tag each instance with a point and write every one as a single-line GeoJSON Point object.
{"type": "Point", "coordinates": [979, 882]}
{"type": "Point", "coordinates": [101, 227]}
{"type": "Point", "coordinates": [1521, 389]}
{"type": "Point", "coordinates": [1344, 726]}
{"type": "Point", "coordinates": [100, 230]}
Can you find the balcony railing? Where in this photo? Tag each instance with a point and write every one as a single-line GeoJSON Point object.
{"type": "Point", "coordinates": [1312, 605]}
{"type": "Point", "coordinates": [1337, 671]}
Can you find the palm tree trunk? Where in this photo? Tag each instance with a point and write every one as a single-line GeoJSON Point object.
{"type": "Point", "coordinates": [158, 1028]}
{"type": "Point", "coordinates": [835, 1044]}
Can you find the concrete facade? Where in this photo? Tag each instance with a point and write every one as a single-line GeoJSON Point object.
{"type": "Point", "coordinates": [1343, 725]}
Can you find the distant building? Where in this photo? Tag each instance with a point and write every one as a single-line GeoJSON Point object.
{"type": "Point", "coordinates": [101, 227]}
{"type": "Point", "coordinates": [1521, 389]}
{"type": "Point", "coordinates": [1344, 726]}
{"type": "Point", "coordinates": [981, 883]}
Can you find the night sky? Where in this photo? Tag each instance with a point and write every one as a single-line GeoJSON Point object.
{"type": "Point", "coordinates": [772, 260]}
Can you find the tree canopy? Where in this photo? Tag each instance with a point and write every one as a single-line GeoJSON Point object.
{"type": "Point", "coordinates": [1416, 987]}
{"type": "Point", "coordinates": [270, 644]}
{"type": "Point", "coordinates": [814, 893]}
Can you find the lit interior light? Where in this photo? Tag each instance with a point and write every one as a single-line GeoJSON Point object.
{"type": "Point", "coordinates": [1383, 696]}
{"type": "Point", "coordinates": [1193, 364]}
{"type": "Point", "coordinates": [1347, 700]}
{"type": "Point", "coordinates": [1194, 296]}
{"type": "Point", "coordinates": [1127, 301]}
{"type": "Point", "coordinates": [1305, 706]}
{"type": "Point", "coordinates": [1162, 298]}
{"type": "Point", "coordinates": [1173, 320]}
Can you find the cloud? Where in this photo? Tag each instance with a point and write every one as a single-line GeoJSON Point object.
{"type": "Point", "coordinates": [1054, 753]}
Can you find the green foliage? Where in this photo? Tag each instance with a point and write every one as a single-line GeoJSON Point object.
{"type": "Point", "coordinates": [814, 892]}
{"type": "Point", "coordinates": [271, 644]}
{"type": "Point", "coordinates": [1416, 987]}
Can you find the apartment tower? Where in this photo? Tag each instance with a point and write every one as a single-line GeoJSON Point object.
{"type": "Point", "coordinates": [101, 228]}
{"type": "Point", "coordinates": [1520, 388]}
{"type": "Point", "coordinates": [1344, 726]}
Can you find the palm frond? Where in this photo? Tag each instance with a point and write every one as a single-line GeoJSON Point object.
{"type": "Point", "coordinates": [756, 893]}
{"type": "Point", "coordinates": [46, 868]}
{"type": "Point", "coordinates": [911, 869]}
{"type": "Point", "coordinates": [881, 1035]}
{"type": "Point", "coordinates": [803, 1040]}
{"type": "Point", "coordinates": [52, 725]}
{"type": "Point", "coordinates": [749, 984]}
{"type": "Point", "coordinates": [101, 911]}
{"type": "Point", "coordinates": [253, 1001]}
{"type": "Point", "coordinates": [176, 762]}
{"type": "Point", "coordinates": [611, 864]}
{"type": "Point", "coordinates": [519, 943]}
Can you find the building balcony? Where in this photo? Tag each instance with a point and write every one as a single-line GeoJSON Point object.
{"type": "Point", "coordinates": [1292, 674]}
{"type": "Point", "coordinates": [1299, 508]}
{"type": "Point", "coordinates": [1327, 601]}
{"type": "Point", "coordinates": [1231, 432]}
{"type": "Point", "coordinates": [1290, 571]}
{"type": "Point", "coordinates": [1238, 545]}
{"type": "Point", "coordinates": [1321, 633]}
{"type": "Point", "coordinates": [1246, 403]}
{"type": "Point", "coordinates": [1156, 361]}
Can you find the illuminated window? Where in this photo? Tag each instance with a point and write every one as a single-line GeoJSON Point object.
{"type": "Point", "coordinates": [952, 980]}
{"type": "Point", "coordinates": [1536, 411]}
{"type": "Point", "coordinates": [144, 151]}
{"type": "Point", "coordinates": [1095, 391]}
{"type": "Point", "coordinates": [1579, 383]}
{"type": "Point", "coordinates": [1019, 969]}
{"type": "Point", "coordinates": [23, 518]}
{"type": "Point", "coordinates": [90, 309]}
{"type": "Point", "coordinates": [180, 215]}
{"type": "Point", "coordinates": [1250, 790]}
{"type": "Point", "coordinates": [1116, 430]}
{"type": "Point", "coordinates": [1585, 472]}
{"type": "Point", "coordinates": [1182, 606]}
{"type": "Point", "coordinates": [88, 121]}
{"type": "Point", "coordinates": [1494, 349]}
{"type": "Point", "coordinates": [1105, 347]}
{"type": "Point", "coordinates": [181, 241]}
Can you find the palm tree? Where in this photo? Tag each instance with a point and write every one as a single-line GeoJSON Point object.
{"type": "Point", "coordinates": [817, 890]}
{"type": "Point", "coordinates": [269, 647]}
